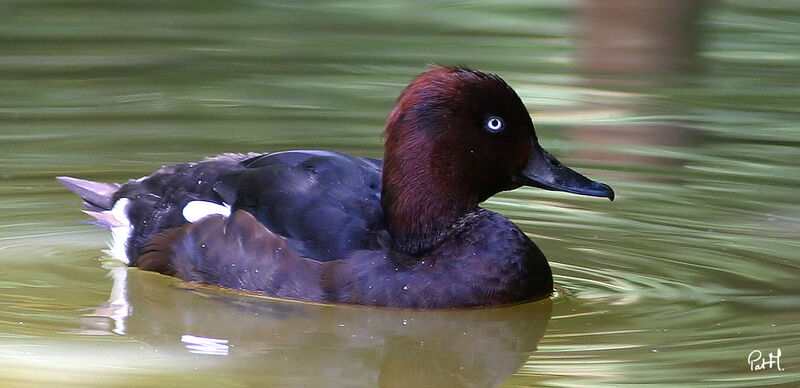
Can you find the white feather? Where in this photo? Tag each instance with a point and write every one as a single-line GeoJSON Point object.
{"type": "Point", "coordinates": [120, 234]}
{"type": "Point", "coordinates": [196, 210]}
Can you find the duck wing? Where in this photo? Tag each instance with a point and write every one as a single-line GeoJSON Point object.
{"type": "Point", "coordinates": [235, 252]}
{"type": "Point", "coordinates": [326, 204]}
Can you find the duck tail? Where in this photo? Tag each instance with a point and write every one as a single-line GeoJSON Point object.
{"type": "Point", "coordinates": [98, 197]}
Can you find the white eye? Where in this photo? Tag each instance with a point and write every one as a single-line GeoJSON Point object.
{"type": "Point", "coordinates": [495, 124]}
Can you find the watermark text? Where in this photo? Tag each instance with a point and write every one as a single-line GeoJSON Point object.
{"type": "Point", "coordinates": [758, 362]}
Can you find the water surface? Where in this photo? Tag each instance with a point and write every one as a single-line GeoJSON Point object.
{"type": "Point", "coordinates": [693, 267]}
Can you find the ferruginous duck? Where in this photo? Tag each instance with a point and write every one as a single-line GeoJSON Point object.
{"type": "Point", "coordinates": [322, 226]}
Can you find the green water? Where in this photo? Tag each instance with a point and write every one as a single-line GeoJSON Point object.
{"type": "Point", "coordinates": [693, 267]}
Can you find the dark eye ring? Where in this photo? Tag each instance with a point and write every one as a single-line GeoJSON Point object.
{"type": "Point", "coordinates": [495, 124]}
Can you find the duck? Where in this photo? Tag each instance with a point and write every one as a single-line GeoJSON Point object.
{"type": "Point", "coordinates": [321, 226]}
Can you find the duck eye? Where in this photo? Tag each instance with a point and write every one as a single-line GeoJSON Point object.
{"type": "Point", "coordinates": [495, 124]}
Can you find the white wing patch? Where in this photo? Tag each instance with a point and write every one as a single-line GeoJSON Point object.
{"type": "Point", "coordinates": [117, 220]}
{"type": "Point", "coordinates": [196, 210]}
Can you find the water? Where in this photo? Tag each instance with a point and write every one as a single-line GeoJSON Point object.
{"type": "Point", "coordinates": [693, 267]}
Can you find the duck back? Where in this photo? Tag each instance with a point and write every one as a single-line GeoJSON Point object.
{"type": "Point", "coordinates": [324, 204]}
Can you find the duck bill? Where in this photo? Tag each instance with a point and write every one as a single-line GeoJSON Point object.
{"type": "Point", "coordinates": [546, 172]}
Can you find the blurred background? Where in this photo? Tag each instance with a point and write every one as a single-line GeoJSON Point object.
{"type": "Point", "coordinates": [688, 108]}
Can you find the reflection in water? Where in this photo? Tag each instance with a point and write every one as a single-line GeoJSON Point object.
{"type": "Point", "coordinates": [205, 345]}
{"type": "Point", "coordinates": [635, 37]}
{"type": "Point", "coordinates": [116, 309]}
{"type": "Point", "coordinates": [362, 346]}
{"type": "Point", "coordinates": [643, 145]}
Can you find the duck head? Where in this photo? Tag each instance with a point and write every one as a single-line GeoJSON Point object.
{"type": "Point", "coordinates": [455, 138]}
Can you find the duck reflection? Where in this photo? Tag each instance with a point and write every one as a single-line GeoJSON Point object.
{"type": "Point", "coordinates": [302, 344]}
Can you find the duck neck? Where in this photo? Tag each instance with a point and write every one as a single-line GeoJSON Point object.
{"type": "Point", "coordinates": [421, 208]}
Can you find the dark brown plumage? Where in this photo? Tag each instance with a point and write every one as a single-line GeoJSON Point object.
{"type": "Point", "coordinates": [328, 227]}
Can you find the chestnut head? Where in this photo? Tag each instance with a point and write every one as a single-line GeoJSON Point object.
{"type": "Point", "coordinates": [470, 133]}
